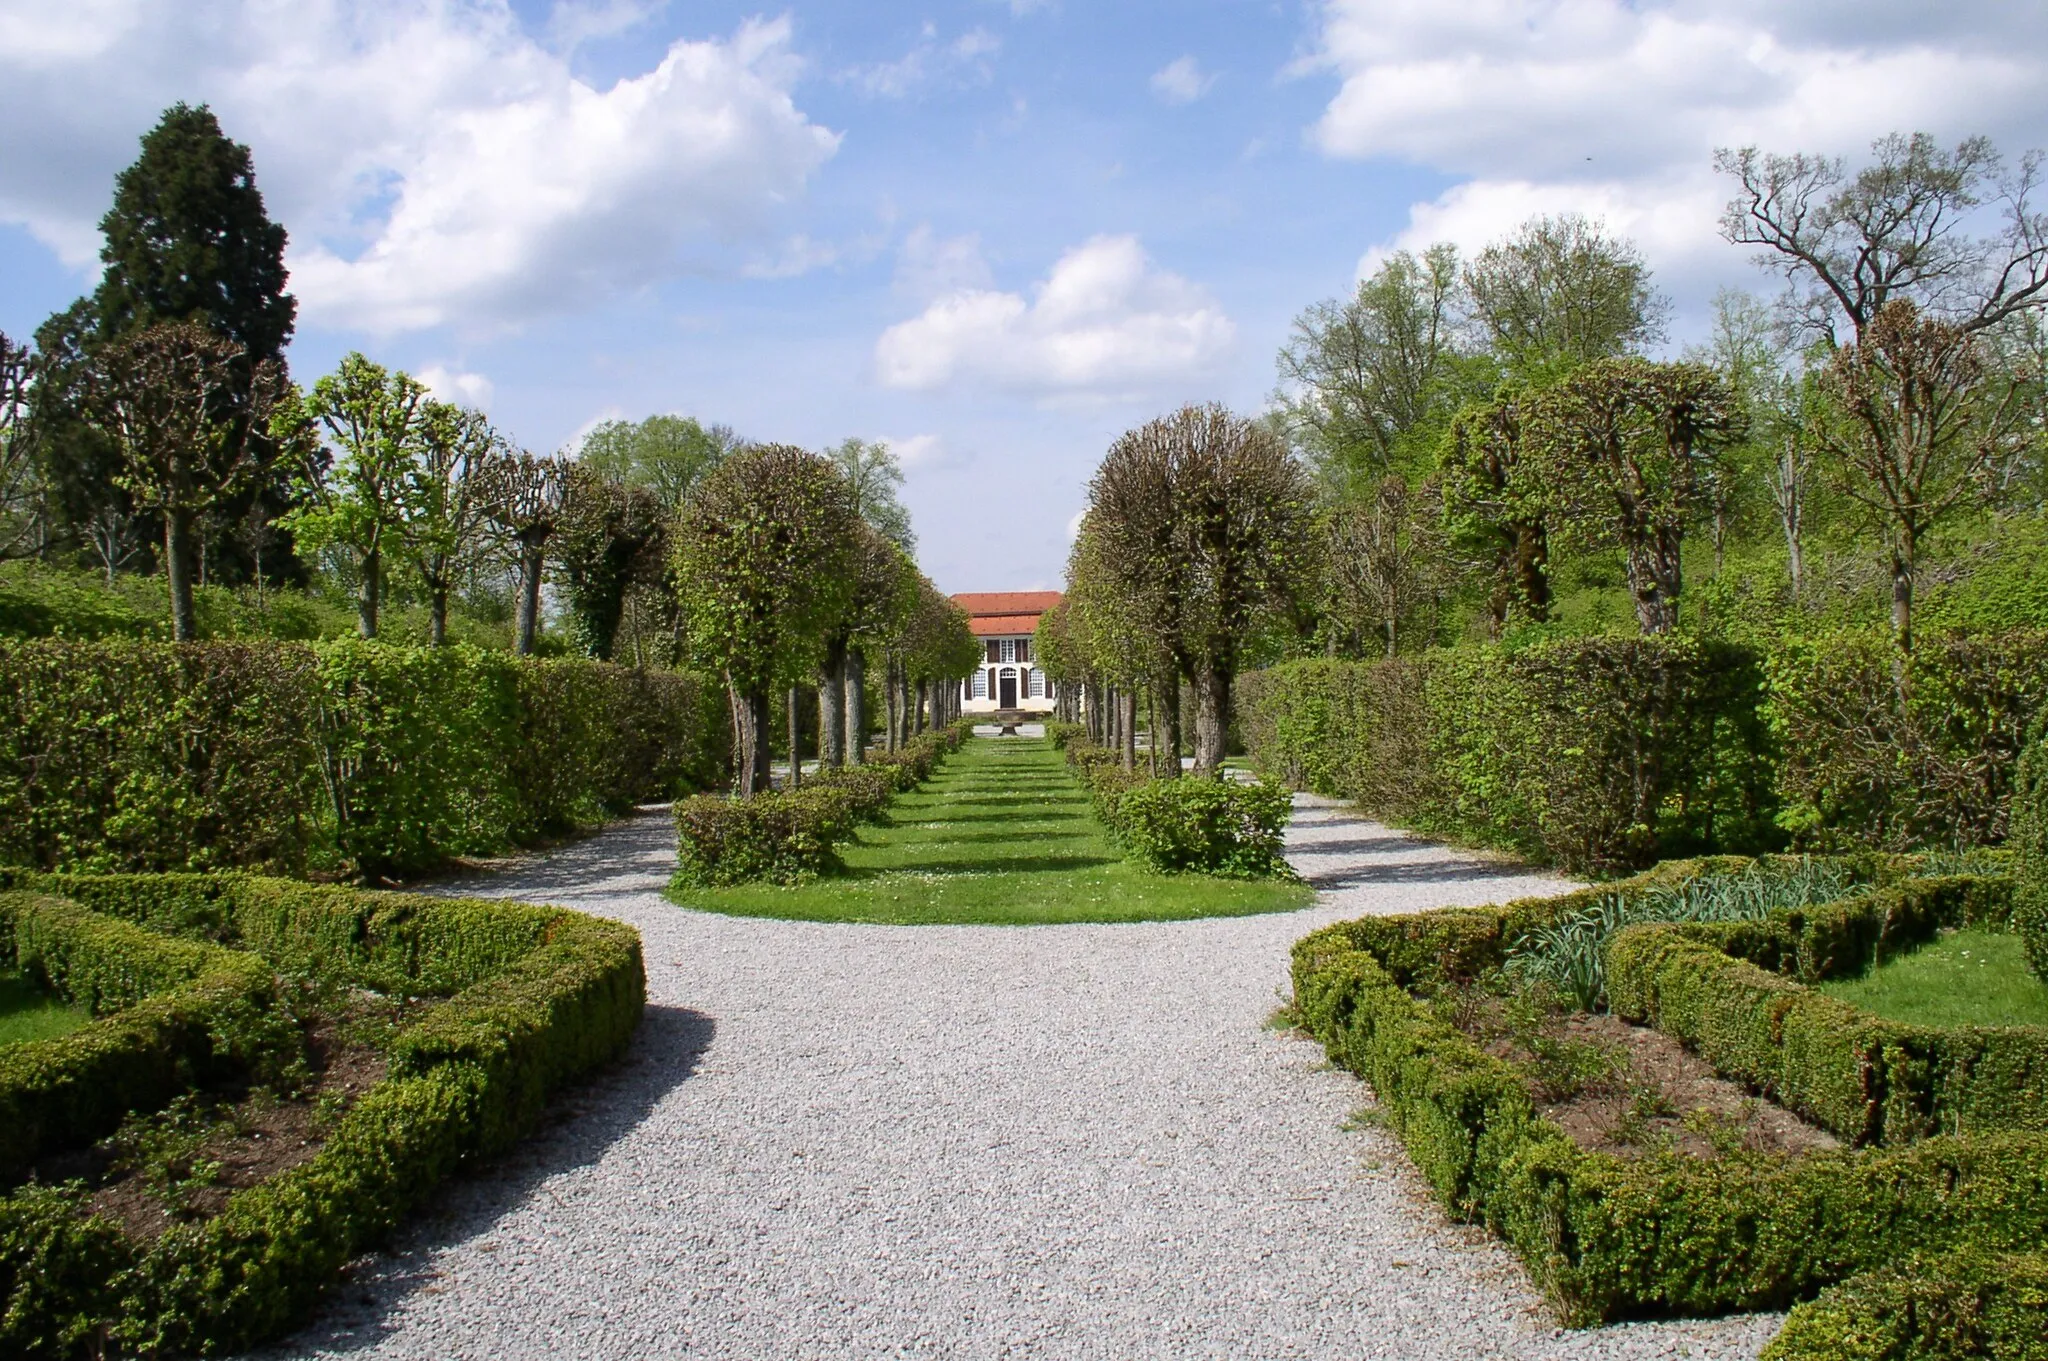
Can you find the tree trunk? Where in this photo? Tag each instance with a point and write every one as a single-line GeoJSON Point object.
{"type": "Point", "coordinates": [856, 736]}
{"type": "Point", "coordinates": [437, 616]}
{"type": "Point", "coordinates": [1532, 570]}
{"type": "Point", "coordinates": [925, 694]}
{"type": "Point", "coordinates": [1212, 718]}
{"type": "Point", "coordinates": [750, 740]}
{"type": "Point", "coordinates": [1152, 730]}
{"type": "Point", "coordinates": [178, 571]}
{"type": "Point", "coordinates": [1654, 580]}
{"type": "Point", "coordinates": [832, 707]}
{"type": "Point", "coordinates": [529, 599]}
{"type": "Point", "coordinates": [370, 593]}
{"type": "Point", "coordinates": [796, 738]}
{"type": "Point", "coordinates": [892, 709]}
{"type": "Point", "coordinates": [1127, 724]}
{"type": "Point", "coordinates": [1902, 595]}
{"type": "Point", "coordinates": [1168, 733]}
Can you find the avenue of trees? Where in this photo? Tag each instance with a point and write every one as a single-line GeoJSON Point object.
{"type": "Point", "coordinates": [154, 429]}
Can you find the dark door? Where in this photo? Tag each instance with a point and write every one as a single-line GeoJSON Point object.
{"type": "Point", "coordinates": [1008, 684]}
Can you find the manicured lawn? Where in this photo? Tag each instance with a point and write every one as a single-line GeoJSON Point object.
{"type": "Point", "coordinates": [1002, 834]}
{"type": "Point", "coordinates": [29, 1013]}
{"type": "Point", "coordinates": [1970, 977]}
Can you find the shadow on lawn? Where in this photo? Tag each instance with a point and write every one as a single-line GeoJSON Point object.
{"type": "Point", "coordinates": [1020, 864]}
{"type": "Point", "coordinates": [581, 1125]}
{"type": "Point", "coordinates": [1054, 816]}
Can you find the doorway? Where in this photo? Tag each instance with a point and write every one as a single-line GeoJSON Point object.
{"type": "Point", "coordinates": [1008, 688]}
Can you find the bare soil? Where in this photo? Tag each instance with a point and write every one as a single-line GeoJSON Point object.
{"type": "Point", "coordinates": [1630, 1090]}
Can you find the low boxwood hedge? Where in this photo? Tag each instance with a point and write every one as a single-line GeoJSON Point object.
{"type": "Point", "coordinates": [2030, 852]}
{"type": "Point", "coordinates": [168, 1013]}
{"type": "Point", "coordinates": [1962, 1304]}
{"type": "Point", "coordinates": [1608, 1238]}
{"type": "Point", "coordinates": [537, 996]}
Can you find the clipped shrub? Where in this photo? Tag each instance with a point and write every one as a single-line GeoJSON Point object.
{"type": "Point", "coordinates": [868, 789]}
{"type": "Point", "coordinates": [1061, 734]}
{"type": "Point", "coordinates": [1946, 1307]}
{"type": "Point", "coordinates": [1867, 764]}
{"type": "Point", "coordinates": [1219, 827]}
{"type": "Point", "coordinates": [168, 1012]}
{"type": "Point", "coordinates": [347, 755]}
{"type": "Point", "coordinates": [537, 997]}
{"type": "Point", "coordinates": [2030, 855]}
{"type": "Point", "coordinates": [1593, 753]}
{"type": "Point", "coordinates": [780, 837]}
{"type": "Point", "coordinates": [1108, 783]}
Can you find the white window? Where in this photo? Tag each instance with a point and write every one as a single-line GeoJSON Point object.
{"type": "Point", "coordinates": [1037, 684]}
{"type": "Point", "coordinates": [1009, 649]}
{"type": "Point", "coordinates": [981, 685]}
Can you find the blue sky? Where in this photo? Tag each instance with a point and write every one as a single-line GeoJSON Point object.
{"type": "Point", "coordinates": [996, 234]}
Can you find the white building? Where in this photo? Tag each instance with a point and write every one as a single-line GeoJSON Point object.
{"type": "Point", "coordinates": [1007, 681]}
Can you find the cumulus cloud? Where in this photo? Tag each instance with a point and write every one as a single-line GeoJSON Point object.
{"type": "Point", "coordinates": [456, 385]}
{"type": "Point", "coordinates": [925, 453]}
{"type": "Point", "coordinates": [1104, 323]}
{"type": "Point", "coordinates": [1181, 81]}
{"type": "Point", "coordinates": [930, 266]}
{"type": "Point", "coordinates": [436, 163]}
{"type": "Point", "coordinates": [1614, 108]}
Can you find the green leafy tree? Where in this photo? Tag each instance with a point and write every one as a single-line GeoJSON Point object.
{"type": "Point", "coordinates": [442, 502]}
{"type": "Point", "coordinates": [873, 473]}
{"type": "Point", "coordinates": [667, 455]}
{"type": "Point", "coordinates": [369, 425]}
{"type": "Point", "coordinates": [157, 394]}
{"type": "Point", "coordinates": [1622, 447]}
{"type": "Point", "coordinates": [610, 536]}
{"type": "Point", "coordinates": [761, 555]}
{"type": "Point", "coordinates": [1494, 509]}
{"type": "Point", "coordinates": [1561, 292]}
{"type": "Point", "coordinates": [1367, 383]}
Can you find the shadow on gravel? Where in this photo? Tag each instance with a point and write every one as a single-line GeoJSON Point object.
{"type": "Point", "coordinates": [1370, 845]}
{"type": "Point", "coordinates": [581, 1124]}
{"type": "Point", "coordinates": [635, 855]}
{"type": "Point", "coordinates": [1361, 876]}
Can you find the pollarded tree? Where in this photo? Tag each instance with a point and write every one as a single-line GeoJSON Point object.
{"type": "Point", "coordinates": [1621, 447]}
{"type": "Point", "coordinates": [1494, 511]}
{"type": "Point", "coordinates": [444, 517]}
{"type": "Point", "coordinates": [372, 424]}
{"type": "Point", "coordinates": [1212, 510]}
{"type": "Point", "coordinates": [523, 495]}
{"type": "Point", "coordinates": [610, 536]}
{"type": "Point", "coordinates": [881, 591]}
{"type": "Point", "coordinates": [761, 556]}
{"type": "Point", "coordinates": [1126, 629]}
{"type": "Point", "coordinates": [158, 394]}
{"type": "Point", "coordinates": [1922, 428]}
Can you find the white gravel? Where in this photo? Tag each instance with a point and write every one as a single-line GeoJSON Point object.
{"type": "Point", "coordinates": [1052, 1142]}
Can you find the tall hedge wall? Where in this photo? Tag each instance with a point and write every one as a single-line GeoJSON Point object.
{"type": "Point", "coordinates": [136, 756]}
{"type": "Point", "coordinates": [1595, 753]}
{"type": "Point", "coordinates": [1603, 753]}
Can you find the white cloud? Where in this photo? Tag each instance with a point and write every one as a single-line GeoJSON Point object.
{"type": "Point", "coordinates": [456, 385]}
{"type": "Point", "coordinates": [925, 453]}
{"type": "Point", "coordinates": [1074, 525]}
{"type": "Point", "coordinates": [571, 23]}
{"type": "Point", "coordinates": [1613, 108]}
{"type": "Point", "coordinates": [1181, 81]}
{"type": "Point", "coordinates": [929, 266]}
{"type": "Point", "coordinates": [1104, 323]}
{"type": "Point", "coordinates": [435, 162]}
{"type": "Point", "coordinates": [928, 62]}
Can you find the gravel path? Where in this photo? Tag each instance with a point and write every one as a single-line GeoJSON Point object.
{"type": "Point", "coordinates": [1047, 1142]}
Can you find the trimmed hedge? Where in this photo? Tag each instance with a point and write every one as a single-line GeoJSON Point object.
{"type": "Point", "coordinates": [169, 1013]}
{"type": "Point", "coordinates": [1608, 753]}
{"type": "Point", "coordinates": [2030, 847]}
{"type": "Point", "coordinates": [1966, 1304]}
{"type": "Point", "coordinates": [540, 995]}
{"type": "Point", "coordinates": [132, 756]}
{"type": "Point", "coordinates": [789, 836]}
{"type": "Point", "coordinates": [1593, 753]}
{"type": "Point", "coordinates": [1608, 1238]}
{"type": "Point", "coordinates": [1220, 827]}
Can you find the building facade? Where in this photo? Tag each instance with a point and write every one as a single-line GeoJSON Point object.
{"type": "Point", "coordinates": [1008, 681]}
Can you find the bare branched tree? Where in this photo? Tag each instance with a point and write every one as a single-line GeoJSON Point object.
{"type": "Point", "coordinates": [1383, 560]}
{"type": "Point", "coordinates": [1561, 292]}
{"type": "Point", "coordinates": [20, 486]}
{"type": "Point", "coordinates": [187, 413]}
{"type": "Point", "coordinates": [1900, 228]}
{"type": "Point", "coordinates": [1924, 428]}
{"type": "Point", "coordinates": [523, 496]}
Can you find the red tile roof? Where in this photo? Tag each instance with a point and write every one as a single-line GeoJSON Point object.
{"type": "Point", "coordinates": [1002, 625]}
{"type": "Point", "coordinates": [1034, 603]}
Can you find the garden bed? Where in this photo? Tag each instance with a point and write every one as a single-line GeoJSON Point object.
{"type": "Point", "coordinates": [297, 1066]}
{"type": "Point", "coordinates": [1941, 1135]}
